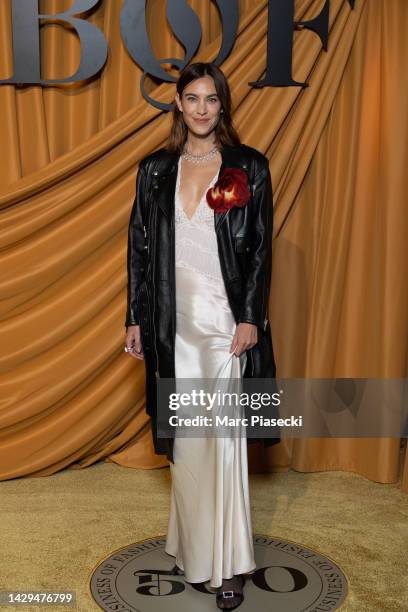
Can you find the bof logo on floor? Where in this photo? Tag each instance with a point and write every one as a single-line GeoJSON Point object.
{"type": "Point", "coordinates": [289, 577]}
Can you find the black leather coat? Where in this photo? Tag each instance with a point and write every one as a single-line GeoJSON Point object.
{"type": "Point", "coordinates": [244, 237]}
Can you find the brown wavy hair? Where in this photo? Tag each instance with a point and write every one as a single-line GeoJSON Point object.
{"type": "Point", "coordinates": [225, 133]}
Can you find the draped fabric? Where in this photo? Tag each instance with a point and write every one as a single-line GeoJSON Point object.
{"type": "Point", "coordinates": [69, 394]}
{"type": "Point", "coordinates": [209, 528]}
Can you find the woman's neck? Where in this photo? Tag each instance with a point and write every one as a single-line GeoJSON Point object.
{"type": "Point", "coordinates": [199, 146]}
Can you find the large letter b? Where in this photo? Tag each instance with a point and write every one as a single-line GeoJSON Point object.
{"type": "Point", "coordinates": [26, 44]}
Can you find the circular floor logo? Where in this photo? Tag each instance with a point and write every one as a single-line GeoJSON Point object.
{"type": "Point", "coordinates": [289, 577]}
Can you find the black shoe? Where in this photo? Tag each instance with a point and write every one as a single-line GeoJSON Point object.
{"type": "Point", "coordinates": [232, 598]}
{"type": "Point", "coordinates": [177, 571]}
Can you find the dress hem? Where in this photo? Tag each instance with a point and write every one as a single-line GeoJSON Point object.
{"type": "Point", "coordinates": [248, 571]}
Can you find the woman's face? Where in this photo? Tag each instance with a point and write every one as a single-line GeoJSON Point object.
{"type": "Point", "coordinates": [200, 105]}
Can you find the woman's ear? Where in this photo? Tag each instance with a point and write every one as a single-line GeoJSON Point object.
{"type": "Point", "coordinates": [178, 102]}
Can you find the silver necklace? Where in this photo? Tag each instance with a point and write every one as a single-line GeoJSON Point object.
{"type": "Point", "coordinates": [198, 159]}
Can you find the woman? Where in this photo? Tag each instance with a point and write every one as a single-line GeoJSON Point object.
{"type": "Point", "coordinates": [199, 268]}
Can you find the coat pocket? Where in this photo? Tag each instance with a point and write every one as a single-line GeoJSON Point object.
{"type": "Point", "coordinates": [242, 244]}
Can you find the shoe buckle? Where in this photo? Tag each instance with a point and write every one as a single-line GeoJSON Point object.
{"type": "Point", "coordinates": [228, 593]}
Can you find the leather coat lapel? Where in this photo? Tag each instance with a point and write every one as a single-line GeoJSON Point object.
{"type": "Point", "coordinates": [226, 161]}
{"type": "Point", "coordinates": [164, 182]}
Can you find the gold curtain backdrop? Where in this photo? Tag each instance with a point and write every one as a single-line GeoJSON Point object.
{"type": "Point", "coordinates": [70, 396]}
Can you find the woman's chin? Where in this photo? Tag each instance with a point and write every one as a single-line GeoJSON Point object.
{"type": "Point", "coordinates": [201, 130]}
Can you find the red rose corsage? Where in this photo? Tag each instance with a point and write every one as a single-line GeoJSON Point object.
{"type": "Point", "coordinates": [231, 189]}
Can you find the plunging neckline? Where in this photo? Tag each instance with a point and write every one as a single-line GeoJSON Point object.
{"type": "Point", "coordinates": [202, 197]}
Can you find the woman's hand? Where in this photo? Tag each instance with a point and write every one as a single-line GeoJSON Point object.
{"type": "Point", "coordinates": [245, 337]}
{"type": "Point", "coordinates": [133, 342]}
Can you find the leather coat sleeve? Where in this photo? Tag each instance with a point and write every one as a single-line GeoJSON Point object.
{"type": "Point", "coordinates": [258, 278]}
{"type": "Point", "coordinates": [135, 249]}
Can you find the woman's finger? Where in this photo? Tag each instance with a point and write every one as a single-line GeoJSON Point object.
{"type": "Point", "coordinates": [239, 349]}
{"type": "Point", "coordinates": [137, 355]}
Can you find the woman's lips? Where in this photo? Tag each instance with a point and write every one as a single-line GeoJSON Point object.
{"type": "Point", "coordinates": [201, 120]}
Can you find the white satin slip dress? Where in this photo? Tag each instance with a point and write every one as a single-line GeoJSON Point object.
{"type": "Point", "coordinates": [209, 528]}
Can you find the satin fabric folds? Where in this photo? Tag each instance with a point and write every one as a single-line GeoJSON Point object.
{"type": "Point", "coordinates": [209, 529]}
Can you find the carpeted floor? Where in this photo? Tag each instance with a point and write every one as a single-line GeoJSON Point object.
{"type": "Point", "coordinates": [56, 529]}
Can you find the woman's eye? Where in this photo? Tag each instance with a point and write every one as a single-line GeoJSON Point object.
{"type": "Point", "coordinates": [190, 99]}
